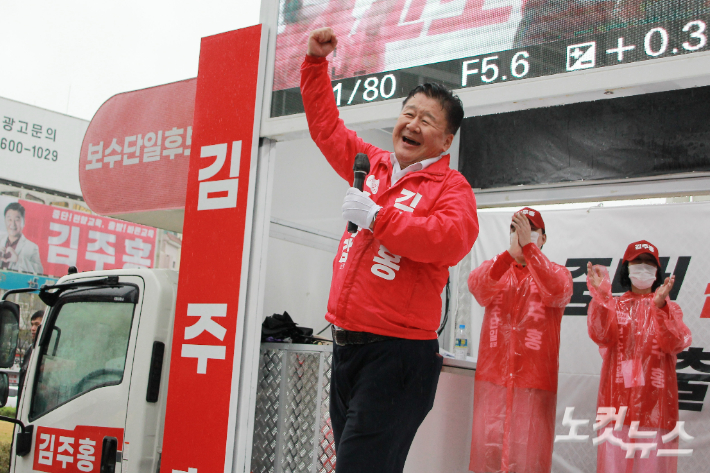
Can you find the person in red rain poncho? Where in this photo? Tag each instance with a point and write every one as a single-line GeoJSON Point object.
{"type": "Point", "coordinates": [515, 392]}
{"type": "Point", "coordinates": [639, 335]}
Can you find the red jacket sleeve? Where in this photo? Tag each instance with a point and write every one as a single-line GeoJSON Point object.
{"type": "Point", "coordinates": [338, 144]}
{"type": "Point", "coordinates": [672, 335]}
{"type": "Point", "coordinates": [601, 314]}
{"type": "Point", "coordinates": [501, 264]}
{"type": "Point", "coordinates": [553, 281]}
{"type": "Point", "coordinates": [483, 287]}
{"type": "Point", "coordinates": [444, 236]}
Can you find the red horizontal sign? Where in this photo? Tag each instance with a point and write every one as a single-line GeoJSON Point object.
{"type": "Point", "coordinates": [72, 451]}
{"type": "Point", "coordinates": [43, 239]}
{"type": "Point", "coordinates": [136, 151]}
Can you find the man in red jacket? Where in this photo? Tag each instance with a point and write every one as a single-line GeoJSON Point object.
{"type": "Point", "coordinates": [416, 219]}
{"type": "Point", "coordinates": [515, 393]}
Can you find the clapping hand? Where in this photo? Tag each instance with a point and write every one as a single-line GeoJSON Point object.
{"type": "Point", "coordinates": [663, 291]}
{"type": "Point", "coordinates": [594, 275]}
{"type": "Point", "coordinates": [522, 228]}
{"type": "Point", "coordinates": [516, 251]}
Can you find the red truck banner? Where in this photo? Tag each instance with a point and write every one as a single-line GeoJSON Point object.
{"type": "Point", "coordinates": [72, 451]}
{"type": "Point", "coordinates": [43, 239]}
{"type": "Point", "coordinates": [206, 347]}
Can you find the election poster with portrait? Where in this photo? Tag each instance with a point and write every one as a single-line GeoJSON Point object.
{"type": "Point", "coordinates": [47, 240]}
{"type": "Point", "coordinates": [601, 235]}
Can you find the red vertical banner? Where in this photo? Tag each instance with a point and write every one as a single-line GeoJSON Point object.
{"type": "Point", "coordinates": [212, 284]}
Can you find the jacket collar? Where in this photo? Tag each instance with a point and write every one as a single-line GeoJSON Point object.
{"type": "Point", "coordinates": [435, 171]}
{"type": "Point", "coordinates": [423, 164]}
{"type": "Point", "coordinates": [20, 242]}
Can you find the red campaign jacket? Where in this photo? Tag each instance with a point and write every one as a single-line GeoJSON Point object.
{"type": "Point", "coordinates": [520, 336]}
{"type": "Point", "coordinates": [389, 282]}
{"type": "Point", "coordinates": [638, 343]}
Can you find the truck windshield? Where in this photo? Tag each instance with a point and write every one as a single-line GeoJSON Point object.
{"type": "Point", "coordinates": [87, 349]}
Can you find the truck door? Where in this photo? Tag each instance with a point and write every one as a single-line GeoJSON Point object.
{"type": "Point", "coordinates": [77, 389]}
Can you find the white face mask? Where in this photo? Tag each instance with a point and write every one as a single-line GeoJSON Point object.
{"type": "Point", "coordinates": [642, 275]}
{"type": "Point", "coordinates": [533, 237]}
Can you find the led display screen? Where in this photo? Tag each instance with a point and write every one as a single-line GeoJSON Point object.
{"type": "Point", "coordinates": [643, 135]}
{"type": "Point", "coordinates": [387, 47]}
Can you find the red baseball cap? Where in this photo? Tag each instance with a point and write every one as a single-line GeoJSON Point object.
{"type": "Point", "coordinates": [534, 217]}
{"type": "Point", "coordinates": [639, 247]}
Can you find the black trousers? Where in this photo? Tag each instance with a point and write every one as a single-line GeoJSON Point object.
{"type": "Point", "coordinates": [379, 395]}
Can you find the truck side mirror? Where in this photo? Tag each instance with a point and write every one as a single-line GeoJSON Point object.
{"type": "Point", "coordinates": [9, 332]}
{"type": "Point", "coordinates": [4, 388]}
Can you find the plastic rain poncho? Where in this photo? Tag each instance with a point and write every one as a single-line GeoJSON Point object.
{"type": "Point", "coordinates": [638, 343]}
{"type": "Point", "coordinates": [515, 390]}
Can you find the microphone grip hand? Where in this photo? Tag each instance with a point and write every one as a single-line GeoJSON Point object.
{"type": "Point", "coordinates": [361, 167]}
{"type": "Point", "coordinates": [359, 184]}
{"type": "Point", "coordinates": [358, 209]}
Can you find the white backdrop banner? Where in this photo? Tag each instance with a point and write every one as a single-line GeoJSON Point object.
{"type": "Point", "coordinates": [40, 148]}
{"type": "Point", "coordinates": [601, 235]}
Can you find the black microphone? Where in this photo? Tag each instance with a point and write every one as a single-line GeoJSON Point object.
{"type": "Point", "coordinates": [361, 168]}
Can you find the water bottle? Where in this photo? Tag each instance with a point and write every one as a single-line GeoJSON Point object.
{"type": "Point", "coordinates": [461, 343]}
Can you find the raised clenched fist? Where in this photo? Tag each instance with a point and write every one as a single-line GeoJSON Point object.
{"type": "Point", "coordinates": [322, 42]}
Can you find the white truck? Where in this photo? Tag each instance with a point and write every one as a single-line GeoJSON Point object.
{"type": "Point", "coordinates": [100, 357]}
